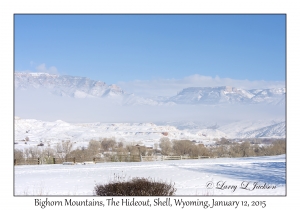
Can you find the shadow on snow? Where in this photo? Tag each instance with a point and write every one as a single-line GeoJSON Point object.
{"type": "Point", "coordinates": [266, 172]}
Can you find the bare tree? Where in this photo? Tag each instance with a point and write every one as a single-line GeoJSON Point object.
{"type": "Point", "coordinates": [182, 147]}
{"type": "Point", "coordinates": [18, 154]}
{"type": "Point", "coordinates": [63, 149]}
{"type": "Point", "coordinates": [245, 149]}
{"type": "Point", "coordinates": [122, 151]}
{"type": "Point", "coordinates": [132, 149]}
{"type": "Point", "coordinates": [94, 147]}
{"type": "Point", "coordinates": [48, 154]}
{"type": "Point", "coordinates": [120, 144]}
{"type": "Point", "coordinates": [165, 146]}
{"type": "Point", "coordinates": [108, 143]}
{"type": "Point", "coordinates": [32, 152]}
{"type": "Point", "coordinates": [81, 155]}
{"type": "Point", "coordinates": [278, 147]}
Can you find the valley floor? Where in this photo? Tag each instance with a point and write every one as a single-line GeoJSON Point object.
{"type": "Point", "coordinates": [224, 176]}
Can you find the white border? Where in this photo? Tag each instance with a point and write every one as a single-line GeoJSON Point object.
{"type": "Point", "coordinates": [8, 8]}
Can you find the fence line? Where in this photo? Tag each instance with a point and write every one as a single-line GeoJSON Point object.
{"type": "Point", "coordinates": [170, 157]}
{"type": "Point", "coordinates": [115, 158]}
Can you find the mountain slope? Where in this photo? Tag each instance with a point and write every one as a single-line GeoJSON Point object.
{"type": "Point", "coordinates": [276, 131]}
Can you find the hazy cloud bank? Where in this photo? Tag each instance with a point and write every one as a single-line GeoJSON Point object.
{"type": "Point", "coordinates": [45, 106]}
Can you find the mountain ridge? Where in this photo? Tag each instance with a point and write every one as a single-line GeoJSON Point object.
{"type": "Point", "coordinates": [83, 87]}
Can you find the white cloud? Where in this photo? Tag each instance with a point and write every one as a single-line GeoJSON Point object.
{"type": "Point", "coordinates": [169, 87]}
{"type": "Point", "coordinates": [42, 68]}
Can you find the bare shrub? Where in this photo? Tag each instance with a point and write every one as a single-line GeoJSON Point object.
{"type": "Point", "coordinates": [135, 187]}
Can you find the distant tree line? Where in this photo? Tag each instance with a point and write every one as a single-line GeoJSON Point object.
{"type": "Point", "coordinates": [64, 151]}
{"type": "Point", "coordinates": [108, 147]}
{"type": "Point", "coordinates": [222, 148]}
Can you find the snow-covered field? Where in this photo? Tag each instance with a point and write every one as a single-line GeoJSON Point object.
{"type": "Point", "coordinates": [226, 176]}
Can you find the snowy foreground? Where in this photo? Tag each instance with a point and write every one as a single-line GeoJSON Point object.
{"type": "Point", "coordinates": [226, 176]}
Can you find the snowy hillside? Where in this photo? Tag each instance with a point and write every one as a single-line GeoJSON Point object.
{"type": "Point", "coordinates": [257, 129]}
{"type": "Point", "coordinates": [149, 133]}
{"type": "Point", "coordinates": [274, 131]}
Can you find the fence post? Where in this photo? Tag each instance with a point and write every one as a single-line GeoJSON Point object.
{"type": "Point", "coordinates": [54, 160]}
{"type": "Point", "coordinates": [94, 160]}
{"type": "Point", "coordinates": [180, 157]}
{"type": "Point", "coordinates": [74, 159]}
{"type": "Point", "coordinates": [141, 158]}
{"type": "Point", "coordinates": [38, 161]}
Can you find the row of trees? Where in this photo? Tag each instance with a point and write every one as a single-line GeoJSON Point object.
{"type": "Point", "coordinates": [46, 154]}
{"type": "Point", "coordinates": [65, 150]}
{"type": "Point", "coordinates": [223, 148]}
{"type": "Point", "coordinates": [108, 147]}
{"type": "Point", "coordinates": [182, 147]}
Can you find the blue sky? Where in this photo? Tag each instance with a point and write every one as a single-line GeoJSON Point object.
{"type": "Point", "coordinates": [124, 48]}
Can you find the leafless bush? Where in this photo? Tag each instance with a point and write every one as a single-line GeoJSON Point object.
{"type": "Point", "coordinates": [136, 187]}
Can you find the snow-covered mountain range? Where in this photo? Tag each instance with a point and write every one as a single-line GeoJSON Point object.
{"type": "Point", "coordinates": [227, 94]}
{"type": "Point", "coordinates": [81, 87]}
{"type": "Point", "coordinates": [77, 87]}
